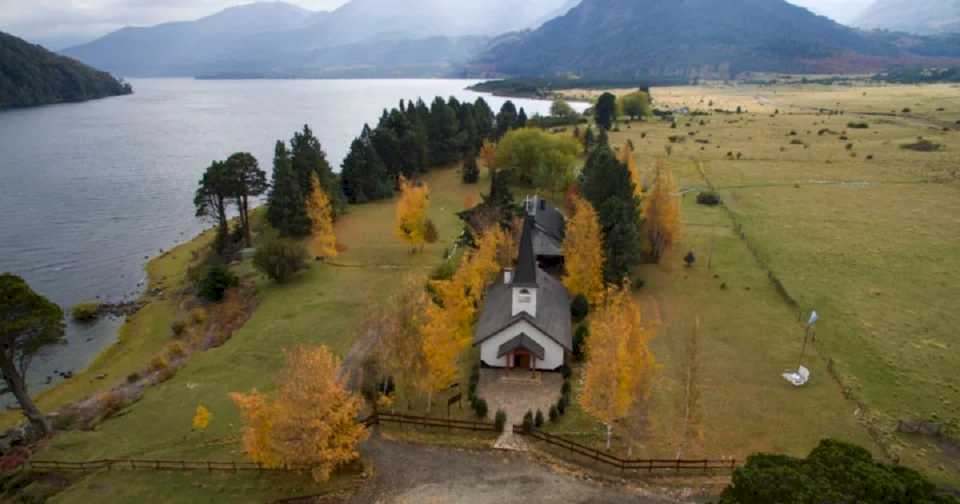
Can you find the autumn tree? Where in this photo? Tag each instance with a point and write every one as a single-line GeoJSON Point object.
{"type": "Point", "coordinates": [320, 211]}
{"type": "Point", "coordinates": [310, 423]}
{"type": "Point", "coordinates": [395, 326]}
{"type": "Point", "coordinates": [448, 328]}
{"type": "Point", "coordinates": [411, 221]}
{"type": "Point", "coordinates": [28, 323]}
{"type": "Point", "coordinates": [202, 417]}
{"type": "Point", "coordinates": [583, 249]}
{"type": "Point", "coordinates": [620, 366]}
{"type": "Point", "coordinates": [662, 212]}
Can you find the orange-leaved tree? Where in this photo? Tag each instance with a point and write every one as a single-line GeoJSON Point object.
{"type": "Point", "coordinates": [411, 223]}
{"type": "Point", "coordinates": [448, 328]}
{"type": "Point", "coordinates": [311, 422]}
{"type": "Point", "coordinates": [320, 211]}
{"type": "Point", "coordinates": [662, 212]}
{"type": "Point", "coordinates": [583, 250]}
{"type": "Point", "coordinates": [620, 366]}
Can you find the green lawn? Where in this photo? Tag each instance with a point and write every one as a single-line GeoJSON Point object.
{"type": "Point", "coordinates": [324, 305]}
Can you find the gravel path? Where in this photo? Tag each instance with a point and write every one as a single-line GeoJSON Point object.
{"type": "Point", "coordinates": [413, 473]}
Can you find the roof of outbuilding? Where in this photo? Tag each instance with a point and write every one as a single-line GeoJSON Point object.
{"type": "Point", "coordinates": [553, 311]}
{"type": "Point", "coordinates": [522, 341]}
{"type": "Point", "coordinates": [550, 220]}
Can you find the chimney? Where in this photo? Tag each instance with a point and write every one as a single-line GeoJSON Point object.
{"type": "Point", "coordinates": [508, 276]}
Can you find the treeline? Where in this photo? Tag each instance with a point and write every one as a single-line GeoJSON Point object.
{"type": "Point", "coordinates": [413, 137]}
{"type": "Point", "coordinates": [31, 75]}
{"type": "Point", "coordinates": [919, 75]}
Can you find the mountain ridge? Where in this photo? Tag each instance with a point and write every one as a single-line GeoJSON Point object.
{"type": "Point", "coordinates": [924, 17]}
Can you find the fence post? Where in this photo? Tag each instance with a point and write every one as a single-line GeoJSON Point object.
{"type": "Point", "coordinates": [133, 465]}
{"type": "Point", "coordinates": [705, 467]}
{"type": "Point", "coordinates": [209, 467]}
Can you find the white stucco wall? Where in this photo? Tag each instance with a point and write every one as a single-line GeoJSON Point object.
{"type": "Point", "coordinates": [553, 352]}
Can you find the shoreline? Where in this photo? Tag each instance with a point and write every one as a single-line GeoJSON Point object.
{"type": "Point", "coordinates": [137, 337]}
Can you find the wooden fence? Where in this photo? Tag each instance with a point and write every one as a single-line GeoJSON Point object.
{"type": "Point", "coordinates": [438, 422]}
{"type": "Point", "coordinates": [154, 465]}
{"type": "Point", "coordinates": [649, 465]}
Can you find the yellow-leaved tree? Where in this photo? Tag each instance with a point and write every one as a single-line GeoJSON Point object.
{"type": "Point", "coordinates": [411, 223]}
{"type": "Point", "coordinates": [448, 328]}
{"type": "Point", "coordinates": [583, 250]}
{"type": "Point", "coordinates": [662, 212]}
{"type": "Point", "coordinates": [201, 419]}
{"type": "Point", "coordinates": [488, 153]}
{"type": "Point", "coordinates": [620, 366]}
{"type": "Point", "coordinates": [396, 327]}
{"type": "Point", "coordinates": [311, 422]}
{"type": "Point", "coordinates": [320, 211]}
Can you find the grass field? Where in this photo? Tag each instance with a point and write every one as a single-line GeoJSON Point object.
{"type": "Point", "coordinates": [861, 230]}
{"type": "Point", "coordinates": [321, 306]}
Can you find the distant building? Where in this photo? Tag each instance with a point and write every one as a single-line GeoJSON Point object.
{"type": "Point", "coordinates": [525, 322]}
{"type": "Point", "coordinates": [549, 231]}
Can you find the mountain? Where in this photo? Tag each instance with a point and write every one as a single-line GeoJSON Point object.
{"type": "Point", "coordinates": [279, 38]}
{"type": "Point", "coordinates": [31, 75]}
{"type": "Point", "coordinates": [925, 17]}
{"type": "Point", "coordinates": [191, 47]}
{"type": "Point", "coordinates": [695, 38]}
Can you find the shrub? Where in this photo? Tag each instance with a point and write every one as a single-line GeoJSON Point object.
{"type": "Point", "coordinates": [158, 363]}
{"type": "Point", "coordinates": [178, 327]}
{"type": "Point", "coordinates": [709, 198]}
{"type": "Point", "coordinates": [176, 350]}
{"type": "Point", "coordinates": [528, 422]}
{"type": "Point", "coordinates": [553, 413]}
{"type": "Point", "coordinates": [471, 172]}
{"type": "Point", "coordinates": [111, 403]}
{"type": "Point", "coordinates": [922, 145]}
{"type": "Point", "coordinates": [566, 390]}
{"type": "Point", "coordinates": [579, 339]}
{"type": "Point", "coordinates": [565, 372]}
{"type": "Point", "coordinates": [198, 315]}
{"type": "Point", "coordinates": [677, 139]}
{"type": "Point", "coordinates": [797, 141]}
{"type": "Point", "coordinates": [430, 233]}
{"type": "Point", "coordinates": [500, 420]}
{"type": "Point", "coordinates": [480, 408]}
{"type": "Point", "coordinates": [561, 406]}
{"type": "Point", "coordinates": [842, 471]}
{"type": "Point", "coordinates": [579, 308]}
{"type": "Point", "coordinates": [133, 377]}
{"type": "Point", "coordinates": [689, 259]}
{"type": "Point", "coordinates": [86, 312]}
{"type": "Point", "coordinates": [858, 125]}
{"type": "Point", "coordinates": [213, 287]}
{"type": "Point", "coordinates": [280, 258]}
{"type": "Point", "coordinates": [538, 419]}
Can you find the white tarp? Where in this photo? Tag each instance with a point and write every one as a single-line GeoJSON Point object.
{"type": "Point", "coordinates": [798, 379]}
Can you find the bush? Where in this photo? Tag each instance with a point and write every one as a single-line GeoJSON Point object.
{"type": "Point", "coordinates": [158, 363]}
{"type": "Point", "coordinates": [566, 390]}
{"type": "Point", "coordinates": [709, 198]}
{"type": "Point", "coordinates": [565, 372]}
{"type": "Point", "coordinates": [797, 141]}
{"type": "Point", "coordinates": [480, 407]}
{"type": "Point", "coordinates": [554, 414]}
{"type": "Point", "coordinates": [430, 233]}
{"type": "Point", "coordinates": [858, 125]}
{"type": "Point", "coordinates": [528, 422]}
{"type": "Point", "coordinates": [922, 145]}
{"type": "Point", "coordinates": [833, 472]}
{"type": "Point", "coordinates": [86, 312]}
{"type": "Point", "coordinates": [198, 315]}
{"type": "Point", "coordinates": [213, 287]}
{"type": "Point", "coordinates": [689, 259]}
{"type": "Point", "coordinates": [579, 308]}
{"type": "Point", "coordinates": [471, 172]}
{"type": "Point", "coordinates": [111, 403]}
{"type": "Point", "coordinates": [561, 406]}
{"type": "Point", "coordinates": [133, 377]}
{"type": "Point", "coordinates": [579, 339]}
{"type": "Point", "coordinates": [178, 327]}
{"type": "Point", "coordinates": [538, 419]}
{"type": "Point", "coordinates": [176, 350]}
{"type": "Point", "coordinates": [500, 420]}
{"type": "Point", "coordinates": [280, 258]}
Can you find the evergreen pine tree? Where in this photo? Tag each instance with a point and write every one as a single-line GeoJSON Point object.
{"type": "Point", "coordinates": [306, 157]}
{"type": "Point", "coordinates": [484, 118]}
{"type": "Point", "coordinates": [506, 119]}
{"type": "Point", "coordinates": [286, 203]}
{"type": "Point", "coordinates": [522, 119]}
{"type": "Point", "coordinates": [606, 111]}
{"type": "Point", "coordinates": [606, 184]}
{"type": "Point", "coordinates": [364, 175]}
{"type": "Point", "coordinates": [442, 131]}
{"type": "Point", "coordinates": [471, 172]}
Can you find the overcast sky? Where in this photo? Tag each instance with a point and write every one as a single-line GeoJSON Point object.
{"type": "Point", "coordinates": [61, 23]}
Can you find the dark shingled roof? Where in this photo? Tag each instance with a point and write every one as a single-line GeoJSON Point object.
{"type": "Point", "coordinates": [522, 341]}
{"type": "Point", "coordinates": [550, 220]}
{"type": "Point", "coordinates": [526, 274]}
{"type": "Point", "coordinates": [553, 311]}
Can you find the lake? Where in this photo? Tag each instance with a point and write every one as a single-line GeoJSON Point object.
{"type": "Point", "coordinates": [91, 191]}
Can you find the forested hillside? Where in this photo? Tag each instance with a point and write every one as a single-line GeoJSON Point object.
{"type": "Point", "coordinates": [691, 38]}
{"type": "Point", "coordinates": [30, 75]}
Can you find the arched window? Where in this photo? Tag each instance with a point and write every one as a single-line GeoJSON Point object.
{"type": "Point", "coordinates": [525, 297]}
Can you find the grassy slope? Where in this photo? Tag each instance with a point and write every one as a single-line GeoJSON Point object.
{"type": "Point", "coordinates": [323, 305]}
{"type": "Point", "coordinates": [870, 244]}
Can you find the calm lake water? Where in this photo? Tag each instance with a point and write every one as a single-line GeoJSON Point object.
{"type": "Point", "coordinates": [90, 191]}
